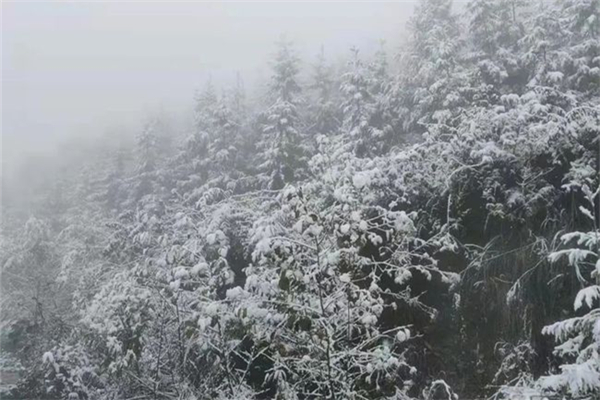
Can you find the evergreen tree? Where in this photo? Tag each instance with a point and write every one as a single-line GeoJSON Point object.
{"type": "Point", "coordinates": [579, 336]}
{"type": "Point", "coordinates": [581, 21]}
{"type": "Point", "coordinates": [115, 185]}
{"type": "Point", "coordinates": [204, 107]}
{"type": "Point", "coordinates": [379, 71]}
{"type": "Point", "coordinates": [225, 140]}
{"type": "Point", "coordinates": [325, 117]}
{"type": "Point", "coordinates": [433, 80]}
{"type": "Point", "coordinates": [238, 99]}
{"type": "Point", "coordinates": [384, 118]}
{"type": "Point", "coordinates": [282, 153]}
{"type": "Point", "coordinates": [147, 158]}
{"type": "Point", "coordinates": [357, 106]}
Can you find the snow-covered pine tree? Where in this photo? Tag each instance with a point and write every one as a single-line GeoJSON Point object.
{"type": "Point", "coordinates": [580, 19]}
{"type": "Point", "coordinates": [358, 107]}
{"type": "Point", "coordinates": [282, 154]}
{"type": "Point", "coordinates": [147, 159]}
{"type": "Point", "coordinates": [115, 194]}
{"type": "Point", "coordinates": [432, 77]}
{"type": "Point", "coordinates": [541, 53]}
{"type": "Point", "coordinates": [384, 118]}
{"type": "Point", "coordinates": [191, 163]}
{"type": "Point", "coordinates": [238, 98]}
{"type": "Point", "coordinates": [495, 28]}
{"type": "Point", "coordinates": [379, 71]}
{"type": "Point", "coordinates": [205, 101]}
{"type": "Point", "coordinates": [579, 336]}
{"type": "Point", "coordinates": [224, 140]}
{"type": "Point", "coordinates": [36, 307]}
{"type": "Point", "coordinates": [325, 118]}
{"type": "Point", "coordinates": [494, 25]}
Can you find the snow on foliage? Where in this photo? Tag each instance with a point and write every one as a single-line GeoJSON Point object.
{"type": "Point", "coordinates": [359, 235]}
{"type": "Point", "coordinates": [579, 336]}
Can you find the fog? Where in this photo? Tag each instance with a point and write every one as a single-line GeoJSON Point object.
{"type": "Point", "coordinates": [78, 68]}
{"type": "Point", "coordinates": [398, 201]}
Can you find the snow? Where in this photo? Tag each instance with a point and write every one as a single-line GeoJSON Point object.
{"type": "Point", "coordinates": [181, 273]}
{"type": "Point", "coordinates": [402, 335]}
{"type": "Point", "coordinates": [48, 357]}
{"type": "Point", "coordinates": [587, 295]}
{"type": "Point", "coordinates": [203, 323]}
{"type": "Point", "coordinates": [363, 226]}
{"type": "Point", "coordinates": [347, 207]}
{"type": "Point", "coordinates": [345, 228]}
{"type": "Point", "coordinates": [211, 238]}
{"type": "Point", "coordinates": [236, 293]}
{"type": "Point", "coordinates": [200, 269]}
{"type": "Point", "coordinates": [298, 226]}
{"type": "Point", "coordinates": [360, 180]}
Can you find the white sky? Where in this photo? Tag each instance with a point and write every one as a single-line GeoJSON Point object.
{"type": "Point", "coordinates": [77, 67]}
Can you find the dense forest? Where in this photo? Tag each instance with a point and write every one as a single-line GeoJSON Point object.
{"type": "Point", "coordinates": [421, 223]}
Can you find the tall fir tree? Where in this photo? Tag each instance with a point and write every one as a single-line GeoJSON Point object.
{"type": "Point", "coordinates": [357, 106]}
{"type": "Point", "coordinates": [432, 78]}
{"type": "Point", "coordinates": [282, 154]}
{"type": "Point", "coordinates": [325, 118]}
{"type": "Point", "coordinates": [146, 159]}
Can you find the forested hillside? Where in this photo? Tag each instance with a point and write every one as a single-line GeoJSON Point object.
{"type": "Point", "coordinates": [417, 224]}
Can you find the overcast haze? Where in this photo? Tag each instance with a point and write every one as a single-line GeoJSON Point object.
{"type": "Point", "coordinates": [418, 223]}
{"type": "Point", "coordinates": [71, 68]}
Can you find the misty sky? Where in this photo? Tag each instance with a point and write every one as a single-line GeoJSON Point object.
{"type": "Point", "coordinates": [71, 68]}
